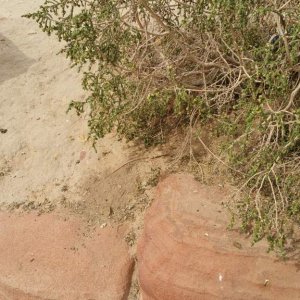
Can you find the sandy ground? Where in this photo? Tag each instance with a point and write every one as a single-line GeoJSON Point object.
{"type": "Point", "coordinates": [44, 153]}
{"type": "Point", "coordinates": [46, 161]}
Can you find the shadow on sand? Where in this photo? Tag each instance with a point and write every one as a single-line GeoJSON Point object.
{"type": "Point", "coordinates": [12, 61]}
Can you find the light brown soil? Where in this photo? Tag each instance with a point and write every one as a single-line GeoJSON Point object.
{"type": "Point", "coordinates": [46, 161]}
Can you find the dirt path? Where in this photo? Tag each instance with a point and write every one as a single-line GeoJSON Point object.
{"type": "Point", "coordinates": [44, 153]}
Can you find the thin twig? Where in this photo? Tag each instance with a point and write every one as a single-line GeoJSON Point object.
{"type": "Point", "coordinates": [218, 158]}
{"type": "Point", "coordinates": [134, 160]}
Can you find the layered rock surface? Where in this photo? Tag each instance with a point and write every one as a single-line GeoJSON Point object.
{"type": "Point", "coordinates": [50, 257]}
{"type": "Point", "coordinates": [187, 253]}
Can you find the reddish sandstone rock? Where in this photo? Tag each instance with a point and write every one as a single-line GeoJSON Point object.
{"type": "Point", "coordinates": [187, 253]}
{"type": "Point", "coordinates": [46, 257]}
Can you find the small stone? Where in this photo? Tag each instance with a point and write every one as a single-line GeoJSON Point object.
{"type": "Point", "coordinates": [266, 282]}
{"type": "Point", "coordinates": [3, 130]}
{"type": "Point", "coordinates": [111, 211]}
{"type": "Point", "coordinates": [237, 245]}
{"type": "Point", "coordinates": [64, 188]}
{"type": "Point", "coordinates": [104, 153]}
{"type": "Point", "coordinates": [130, 207]}
{"type": "Point", "coordinates": [103, 225]}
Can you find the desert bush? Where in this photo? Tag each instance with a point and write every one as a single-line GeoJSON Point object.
{"type": "Point", "coordinates": [150, 66]}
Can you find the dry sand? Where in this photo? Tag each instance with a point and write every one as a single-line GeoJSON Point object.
{"type": "Point", "coordinates": [44, 155]}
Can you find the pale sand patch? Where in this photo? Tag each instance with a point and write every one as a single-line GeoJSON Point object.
{"type": "Point", "coordinates": [44, 155]}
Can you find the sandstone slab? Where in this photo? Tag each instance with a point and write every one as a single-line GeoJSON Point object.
{"type": "Point", "coordinates": [187, 253]}
{"type": "Point", "coordinates": [50, 257]}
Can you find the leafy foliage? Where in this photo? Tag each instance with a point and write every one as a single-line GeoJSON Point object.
{"type": "Point", "coordinates": [152, 65]}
